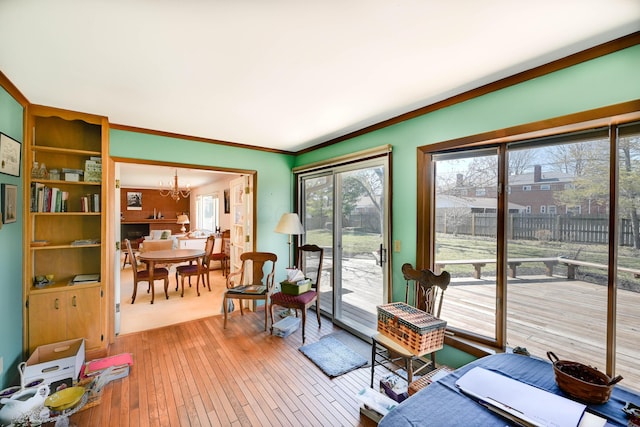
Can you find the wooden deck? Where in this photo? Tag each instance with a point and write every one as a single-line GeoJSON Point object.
{"type": "Point", "coordinates": [545, 313]}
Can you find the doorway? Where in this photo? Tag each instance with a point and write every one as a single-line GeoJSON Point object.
{"type": "Point", "coordinates": [142, 315]}
{"type": "Point", "coordinates": [344, 211]}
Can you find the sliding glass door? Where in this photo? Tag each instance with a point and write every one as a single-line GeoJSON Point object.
{"type": "Point", "coordinates": [344, 210]}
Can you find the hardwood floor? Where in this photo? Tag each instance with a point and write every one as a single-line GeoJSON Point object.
{"type": "Point", "coordinates": [197, 374]}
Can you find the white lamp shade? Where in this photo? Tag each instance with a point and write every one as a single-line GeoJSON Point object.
{"type": "Point", "coordinates": [182, 219]}
{"type": "Point", "coordinates": [289, 224]}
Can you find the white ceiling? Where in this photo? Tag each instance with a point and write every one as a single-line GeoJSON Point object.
{"type": "Point", "coordinates": [284, 74]}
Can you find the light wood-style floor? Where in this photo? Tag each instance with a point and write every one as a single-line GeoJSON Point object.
{"type": "Point", "coordinates": [197, 374]}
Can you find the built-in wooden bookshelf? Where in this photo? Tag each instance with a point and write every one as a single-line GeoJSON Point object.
{"type": "Point", "coordinates": [65, 224]}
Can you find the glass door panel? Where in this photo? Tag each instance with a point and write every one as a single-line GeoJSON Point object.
{"type": "Point", "coordinates": [558, 202]}
{"type": "Point", "coordinates": [317, 206]}
{"type": "Point", "coordinates": [361, 246]}
{"type": "Point", "coordinates": [345, 212]}
{"type": "Point", "coordinates": [466, 204]}
{"type": "Point", "coordinates": [628, 274]}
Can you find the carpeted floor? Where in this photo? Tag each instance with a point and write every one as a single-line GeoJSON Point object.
{"type": "Point", "coordinates": [142, 315]}
{"type": "Point", "coordinates": [356, 344]}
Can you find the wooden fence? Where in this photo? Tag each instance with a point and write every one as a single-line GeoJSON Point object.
{"type": "Point", "coordinates": [563, 228]}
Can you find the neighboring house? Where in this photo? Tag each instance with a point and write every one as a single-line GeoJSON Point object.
{"type": "Point", "coordinates": [472, 205]}
{"type": "Point", "coordinates": [533, 193]}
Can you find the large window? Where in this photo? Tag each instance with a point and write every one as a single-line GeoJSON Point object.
{"type": "Point", "coordinates": [207, 212]}
{"type": "Point", "coordinates": [552, 264]}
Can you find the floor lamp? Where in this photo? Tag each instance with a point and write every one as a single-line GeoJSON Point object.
{"type": "Point", "coordinates": [290, 224]}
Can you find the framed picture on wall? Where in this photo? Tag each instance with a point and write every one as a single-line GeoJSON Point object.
{"type": "Point", "coordinates": [9, 203]}
{"type": "Point", "coordinates": [9, 155]}
{"type": "Point", "coordinates": [134, 200]}
{"type": "Point", "coordinates": [227, 205]}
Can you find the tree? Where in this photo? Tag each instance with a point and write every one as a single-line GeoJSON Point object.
{"type": "Point", "coordinates": [318, 201]}
{"type": "Point", "coordinates": [629, 183]}
{"type": "Point", "coordinates": [592, 184]}
{"type": "Point", "coordinates": [367, 183]}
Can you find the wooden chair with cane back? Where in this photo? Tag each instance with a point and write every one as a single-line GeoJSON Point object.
{"type": "Point", "coordinates": [424, 291]}
{"type": "Point", "coordinates": [143, 275]}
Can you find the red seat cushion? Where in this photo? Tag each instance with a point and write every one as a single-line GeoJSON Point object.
{"type": "Point", "coordinates": [301, 299]}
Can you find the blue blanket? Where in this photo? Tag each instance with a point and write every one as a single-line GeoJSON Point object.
{"type": "Point", "coordinates": [443, 404]}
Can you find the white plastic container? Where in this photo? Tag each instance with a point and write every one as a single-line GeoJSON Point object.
{"type": "Point", "coordinates": [286, 326]}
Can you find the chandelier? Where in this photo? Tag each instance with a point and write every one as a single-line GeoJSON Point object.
{"type": "Point", "coordinates": [175, 191]}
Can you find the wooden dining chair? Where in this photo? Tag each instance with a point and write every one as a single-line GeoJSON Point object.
{"type": "Point", "coordinates": [424, 291]}
{"type": "Point", "coordinates": [199, 269]}
{"type": "Point", "coordinates": [310, 262]}
{"type": "Point", "coordinates": [250, 282]}
{"type": "Point", "coordinates": [221, 256]}
{"type": "Point", "coordinates": [143, 275]}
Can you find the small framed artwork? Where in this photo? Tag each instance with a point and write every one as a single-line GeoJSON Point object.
{"type": "Point", "coordinates": [9, 203]}
{"type": "Point", "coordinates": [134, 200]}
{"type": "Point", "coordinates": [227, 203]}
{"type": "Point", "coordinates": [9, 155]}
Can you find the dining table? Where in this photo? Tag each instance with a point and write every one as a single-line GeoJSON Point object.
{"type": "Point", "coordinates": [168, 256]}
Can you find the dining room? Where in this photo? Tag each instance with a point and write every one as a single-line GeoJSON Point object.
{"type": "Point", "coordinates": [155, 212]}
{"type": "Point", "coordinates": [141, 315]}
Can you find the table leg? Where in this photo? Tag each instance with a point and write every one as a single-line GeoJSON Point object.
{"type": "Point", "coordinates": [151, 266]}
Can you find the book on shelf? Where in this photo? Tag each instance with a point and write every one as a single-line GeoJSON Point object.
{"type": "Point", "coordinates": [85, 278]}
{"type": "Point", "coordinates": [248, 289]}
{"type": "Point", "coordinates": [84, 242]}
{"type": "Point", "coordinates": [47, 199]}
{"type": "Point", "coordinates": [90, 203]}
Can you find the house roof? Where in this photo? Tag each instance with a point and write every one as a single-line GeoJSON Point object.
{"type": "Point", "coordinates": [448, 201]}
{"type": "Point", "coordinates": [283, 74]}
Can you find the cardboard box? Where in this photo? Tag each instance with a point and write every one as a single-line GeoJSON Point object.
{"type": "Point", "coordinates": [286, 326]}
{"type": "Point", "coordinates": [296, 288]}
{"type": "Point", "coordinates": [70, 176]}
{"type": "Point", "coordinates": [56, 362]}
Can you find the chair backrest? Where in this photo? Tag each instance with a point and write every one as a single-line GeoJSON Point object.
{"type": "Point", "coordinates": [208, 250]}
{"type": "Point", "coordinates": [253, 268]}
{"type": "Point", "coordinates": [156, 245]}
{"type": "Point", "coordinates": [132, 258]}
{"type": "Point", "coordinates": [428, 290]}
{"type": "Point", "coordinates": [310, 262]}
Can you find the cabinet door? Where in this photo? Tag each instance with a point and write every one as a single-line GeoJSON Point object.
{"type": "Point", "coordinates": [47, 318]}
{"type": "Point", "coordinates": [84, 316]}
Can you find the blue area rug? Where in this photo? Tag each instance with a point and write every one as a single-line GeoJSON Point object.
{"type": "Point", "coordinates": [333, 357]}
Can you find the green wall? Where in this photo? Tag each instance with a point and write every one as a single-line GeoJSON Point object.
{"type": "Point", "coordinates": [274, 178]}
{"type": "Point", "coordinates": [11, 241]}
{"type": "Point", "coordinates": [608, 80]}
{"type": "Point", "coordinates": [604, 81]}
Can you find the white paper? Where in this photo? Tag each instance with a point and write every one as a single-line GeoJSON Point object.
{"type": "Point", "coordinates": [293, 275]}
{"type": "Point", "coordinates": [533, 405]}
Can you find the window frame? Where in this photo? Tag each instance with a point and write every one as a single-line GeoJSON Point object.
{"type": "Point", "coordinates": [199, 204]}
{"type": "Point", "coordinates": [610, 116]}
